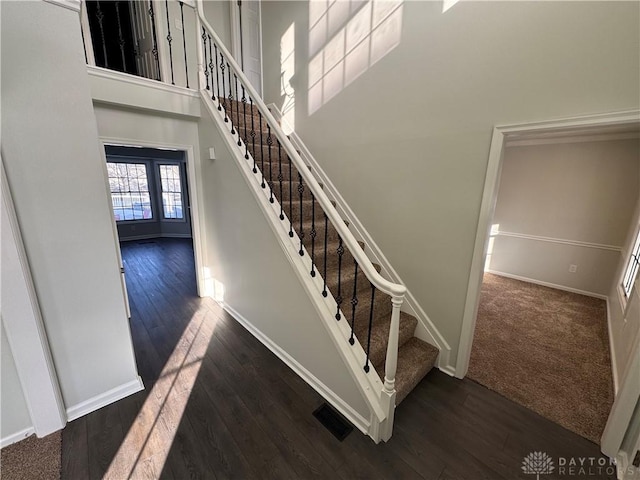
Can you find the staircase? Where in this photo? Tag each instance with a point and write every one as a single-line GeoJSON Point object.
{"type": "Point", "coordinates": [360, 303]}
{"type": "Point", "coordinates": [351, 289]}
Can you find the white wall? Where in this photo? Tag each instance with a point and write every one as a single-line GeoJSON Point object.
{"type": "Point", "coordinates": [565, 204]}
{"type": "Point", "coordinates": [14, 415]}
{"type": "Point", "coordinates": [218, 15]}
{"type": "Point", "coordinates": [406, 142]}
{"type": "Point", "coordinates": [50, 148]}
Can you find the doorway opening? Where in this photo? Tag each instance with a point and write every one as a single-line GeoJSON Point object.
{"type": "Point", "coordinates": [541, 260]}
{"type": "Point", "coordinates": [151, 202]}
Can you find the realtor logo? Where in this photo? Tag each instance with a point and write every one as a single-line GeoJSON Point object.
{"type": "Point", "coordinates": [537, 463]}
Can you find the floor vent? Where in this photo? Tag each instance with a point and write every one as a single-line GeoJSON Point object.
{"type": "Point", "coordinates": [333, 421]}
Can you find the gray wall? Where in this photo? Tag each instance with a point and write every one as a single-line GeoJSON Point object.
{"type": "Point", "coordinates": [57, 176]}
{"type": "Point", "coordinates": [559, 197]}
{"type": "Point", "coordinates": [407, 140]}
{"type": "Point", "coordinates": [218, 15]}
{"type": "Point", "coordinates": [14, 415]}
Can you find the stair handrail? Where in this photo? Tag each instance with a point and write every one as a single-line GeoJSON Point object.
{"type": "Point", "coordinates": [386, 286]}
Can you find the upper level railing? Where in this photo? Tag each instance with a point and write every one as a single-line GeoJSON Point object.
{"type": "Point", "coordinates": [152, 39]}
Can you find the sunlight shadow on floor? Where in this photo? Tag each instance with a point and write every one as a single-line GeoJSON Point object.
{"type": "Point", "coordinates": [146, 446]}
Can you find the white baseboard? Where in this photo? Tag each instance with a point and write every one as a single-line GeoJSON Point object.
{"type": "Point", "coordinates": [449, 370]}
{"type": "Point", "coordinates": [329, 395]}
{"type": "Point", "coordinates": [548, 284]}
{"type": "Point", "coordinates": [104, 399]}
{"type": "Point", "coordinates": [16, 437]}
{"type": "Point", "coordinates": [149, 237]}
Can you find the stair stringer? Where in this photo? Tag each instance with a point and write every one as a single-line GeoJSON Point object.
{"type": "Point", "coordinates": [425, 329]}
{"type": "Point", "coordinates": [353, 356]}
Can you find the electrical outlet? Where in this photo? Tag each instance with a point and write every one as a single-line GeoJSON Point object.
{"type": "Point", "coordinates": [573, 268]}
{"type": "Point", "coordinates": [178, 24]}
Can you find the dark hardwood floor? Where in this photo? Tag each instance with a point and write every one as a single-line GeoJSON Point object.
{"type": "Point", "coordinates": [219, 405]}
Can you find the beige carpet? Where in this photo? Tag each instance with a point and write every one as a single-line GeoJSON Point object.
{"type": "Point", "coordinates": [545, 349]}
{"type": "Point", "coordinates": [32, 459]}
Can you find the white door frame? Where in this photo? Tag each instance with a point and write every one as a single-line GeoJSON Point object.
{"type": "Point", "coordinates": [192, 177]}
{"type": "Point", "coordinates": [487, 208]}
{"type": "Point", "coordinates": [235, 38]}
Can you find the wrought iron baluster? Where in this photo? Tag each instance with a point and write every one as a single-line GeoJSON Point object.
{"type": "Point", "coordinates": [340, 252]}
{"type": "Point", "coordinates": [373, 297]}
{"type": "Point", "coordinates": [237, 108]}
{"type": "Point", "coordinates": [184, 44]}
{"type": "Point", "coordinates": [244, 116]}
{"type": "Point", "coordinates": [226, 117]}
{"type": "Point", "coordinates": [230, 99]}
{"type": "Point", "coordinates": [313, 235]}
{"type": "Point", "coordinates": [155, 39]}
{"type": "Point", "coordinates": [262, 184]}
{"type": "Point", "coordinates": [253, 138]}
{"type": "Point", "coordinates": [280, 177]}
{"type": "Point", "coordinates": [215, 48]}
{"type": "Point", "coordinates": [100, 17]}
{"type": "Point", "coordinates": [169, 40]}
{"type": "Point", "coordinates": [290, 198]}
{"type": "Point", "coordinates": [301, 232]}
{"type": "Point", "coordinates": [204, 45]}
{"type": "Point", "coordinates": [270, 143]}
{"type": "Point", "coordinates": [210, 67]}
{"type": "Point", "coordinates": [326, 236]}
{"type": "Point", "coordinates": [121, 41]}
{"type": "Point", "coordinates": [354, 302]}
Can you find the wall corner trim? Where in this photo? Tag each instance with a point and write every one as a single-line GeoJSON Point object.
{"type": "Point", "coordinates": [104, 399]}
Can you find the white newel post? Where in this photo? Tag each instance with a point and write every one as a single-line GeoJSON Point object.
{"type": "Point", "coordinates": [388, 395]}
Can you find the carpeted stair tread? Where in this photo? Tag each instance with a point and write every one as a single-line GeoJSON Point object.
{"type": "Point", "coordinates": [258, 151]}
{"type": "Point", "coordinates": [380, 335]}
{"type": "Point", "coordinates": [346, 280]}
{"type": "Point", "coordinates": [307, 211]}
{"type": "Point", "coordinates": [306, 193]}
{"type": "Point", "coordinates": [307, 226]}
{"type": "Point", "coordinates": [415, 359]}
{"type": "Point", "coordinates": [332, 257]}
{"type": "Point", "coordinates": [275, 166]}
{"type": "Point", "coordinates": [308, 214]}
